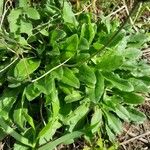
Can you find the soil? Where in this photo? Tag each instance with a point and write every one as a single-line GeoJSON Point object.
{"type": "Point", "coordinates": [137, 137]}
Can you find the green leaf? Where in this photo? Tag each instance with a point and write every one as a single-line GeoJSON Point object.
{"type": "Point", "coordinates": [122, 112]}
{"type": "Point", "coordinates": [18, 146]}
{"type": "Point", "coordinates": [88, 31]}
{"type": "Point", "coordinates": [29, 119]}
{"type": "Point", "coordinates": [118, 82]}
{"type": "Point", "coordinates": [139, 85]}
{"type": "Point", "coordinates": [132, 53]}
{"type": "Point", "coordinates": [114, 123]}
{"type": "Point", "coordinates": [74, 96]}
{"type": "Point", "coordinates": [90, 93]}
{"type": "Point", "coordinates": [24, 3]}
{"type": "Point", "coordinates": [54, 144]}
{"type": "Point", "coordinates": [110, 61]}
{"type": "Point", "coordinates": [7, 101]}
{"type": "Point", "coordinates": [68, 14]}
{"type": "Point", "coordinates": [99, 87]}
{"type": "Point", "coordinates": [26, 27]}
{"type": "Point", "coordinates": [138, 39]}
{"type": "Point", "coordinates": [79, 113]}
{"type": "Point", "coordinates": [57, 35]}
{"type": "Point", "coordinates": [13, 18]}
{"type": "Point", "coordinates": [87, 75]}
{"type": "Point", "coordinates": [70, 46]}
{"type": "Point", "coordinates": [131, 98]}
{"type": "Point", "coordinates": [96, 119]}
{"type": "Point", "coordinates": [18, 116]}
{"type": "Point", "coordinates": [25, 67]}
{"type": "Point", "coordinates": [13, 133]}
{"type": "Point", "coordinates": [48, 131]}
{"type": "Point", "coordinates": [32, 13]}
{"type": "Point", "coordinates": [110, 134]}
{"type": "Point", "coordinates": [136, 116]}
{"type": "Point", "coordinates": [83, 44]}
{"type": "Point", "coordinates": [44, 85]}
{"type": "Point", "coordinates": [31, 92]}
{"type": "Point", "coordinates": [70, 79]}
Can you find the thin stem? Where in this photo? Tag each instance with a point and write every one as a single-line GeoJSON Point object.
{"type": "Point", "coordinates": [9, 65]}
{"type": "Point", "coordinates": [48, 72]}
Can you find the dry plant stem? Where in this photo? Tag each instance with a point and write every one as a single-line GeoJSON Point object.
{"type": "Point", "coordinates": [83, 10]}
{"type": "Point", "coordinates": [131, 21]}
{"type": "Point", "coordinates": [41, 113]}
{"type": "Point", "coordinates": [115, 12]}
{"type": "Point", "coordinates": [48, 72]}
{"type": "Point", "coordinates": [135, 138]}
{"type": "Point", "coordinates": [134, 135]}
{"type": "Point", "coordinates": [4, 13]}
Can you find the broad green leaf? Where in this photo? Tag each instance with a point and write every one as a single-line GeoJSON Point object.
{"type": "Point", "coordinates": [53, 124]}
{"type": "Point", "coordinates": [57, 35]}
{"type": "Point", "coordinates": [122, 112]}
{"type": "Point", "coordinates": [140, 70]}
{"type": "Point", "coordinates": [131, 98]}
{"type": "Point", "coordinates": [74, 96]}
{"type": "Point", "coordinates": [99, 87]}
{"type": "Point", "coordinates": [78, 114]}
{"type": "Point", "coordinates": [25, 27]}
{"type": "Point", "coordinates": [68, 15]}
{"type": "Point", "coordinates": [18, 146]}
{"type": "Point", "coordinates": [110, 61]}
{"type": "Point", "coordinates": [13, 133]}
{"type": "Point", "coordinates": [118, 82]}
{"type": "Point", "coordinates": [70, 46]}
{"type": "Point", "coordinates": [139, 85]}
{"type": "Point", "coordinates": [87, 75]}
{"type": "Point", "coordinates": [24, 3]}
{"type": "Point", "coordinates": [88, 31]}
{"type": "Point", "coordinates": [132, 53]}
{"type": "Point", "coordinates": [137, 40]}
{"type": "Point", "coordinates": [18, 111]}
{"type": "Point", "coordinates": [54, 101]}
{"type": "Point", "coordinates": [90, 93]}
{"type": "Point", "coordinates": [29, 119]}
{"type": "Point", "coordinates": [58, 73]}
{"type": "Point", "coordinates": [110, 134]}
{"type": "Point", "coordinates": [114, 123]}
{"type": "Point", "coordinates": [83, 44]}
{"type": "Point", "coordinates": [32, 13]}
{"type": "Point", "coordinates": [13, 18]}
{"type": "Point", "coordinates": [7, 101]}
{"type": "Point", "coordinates": [96, 119]}
{"type": "Point", "coordinates": [44, 85]}
{"type": "Point", "coordinates": [136, 116]}
{"type": "Point", "coordinates": [25, 67]}
{"type": "Point", "coordinates": [48, 131]}
{"type": "Point", "coordinates": [66, 88]}
{"type": "Point", "coordinates": [69, 78]}
{"type": "Point", "coordinates": [54, 144]}
{"type": "Point", "coordinates": [31, 92]}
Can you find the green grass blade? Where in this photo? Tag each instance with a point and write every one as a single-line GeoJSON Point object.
{"type": "Point", "coordinates": [13, 133]}
{"type": "Point", "coordinates": [53, 144]}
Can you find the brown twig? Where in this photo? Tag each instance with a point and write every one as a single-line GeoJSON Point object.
{"type": "Point", "coordinates": [135, 138]}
